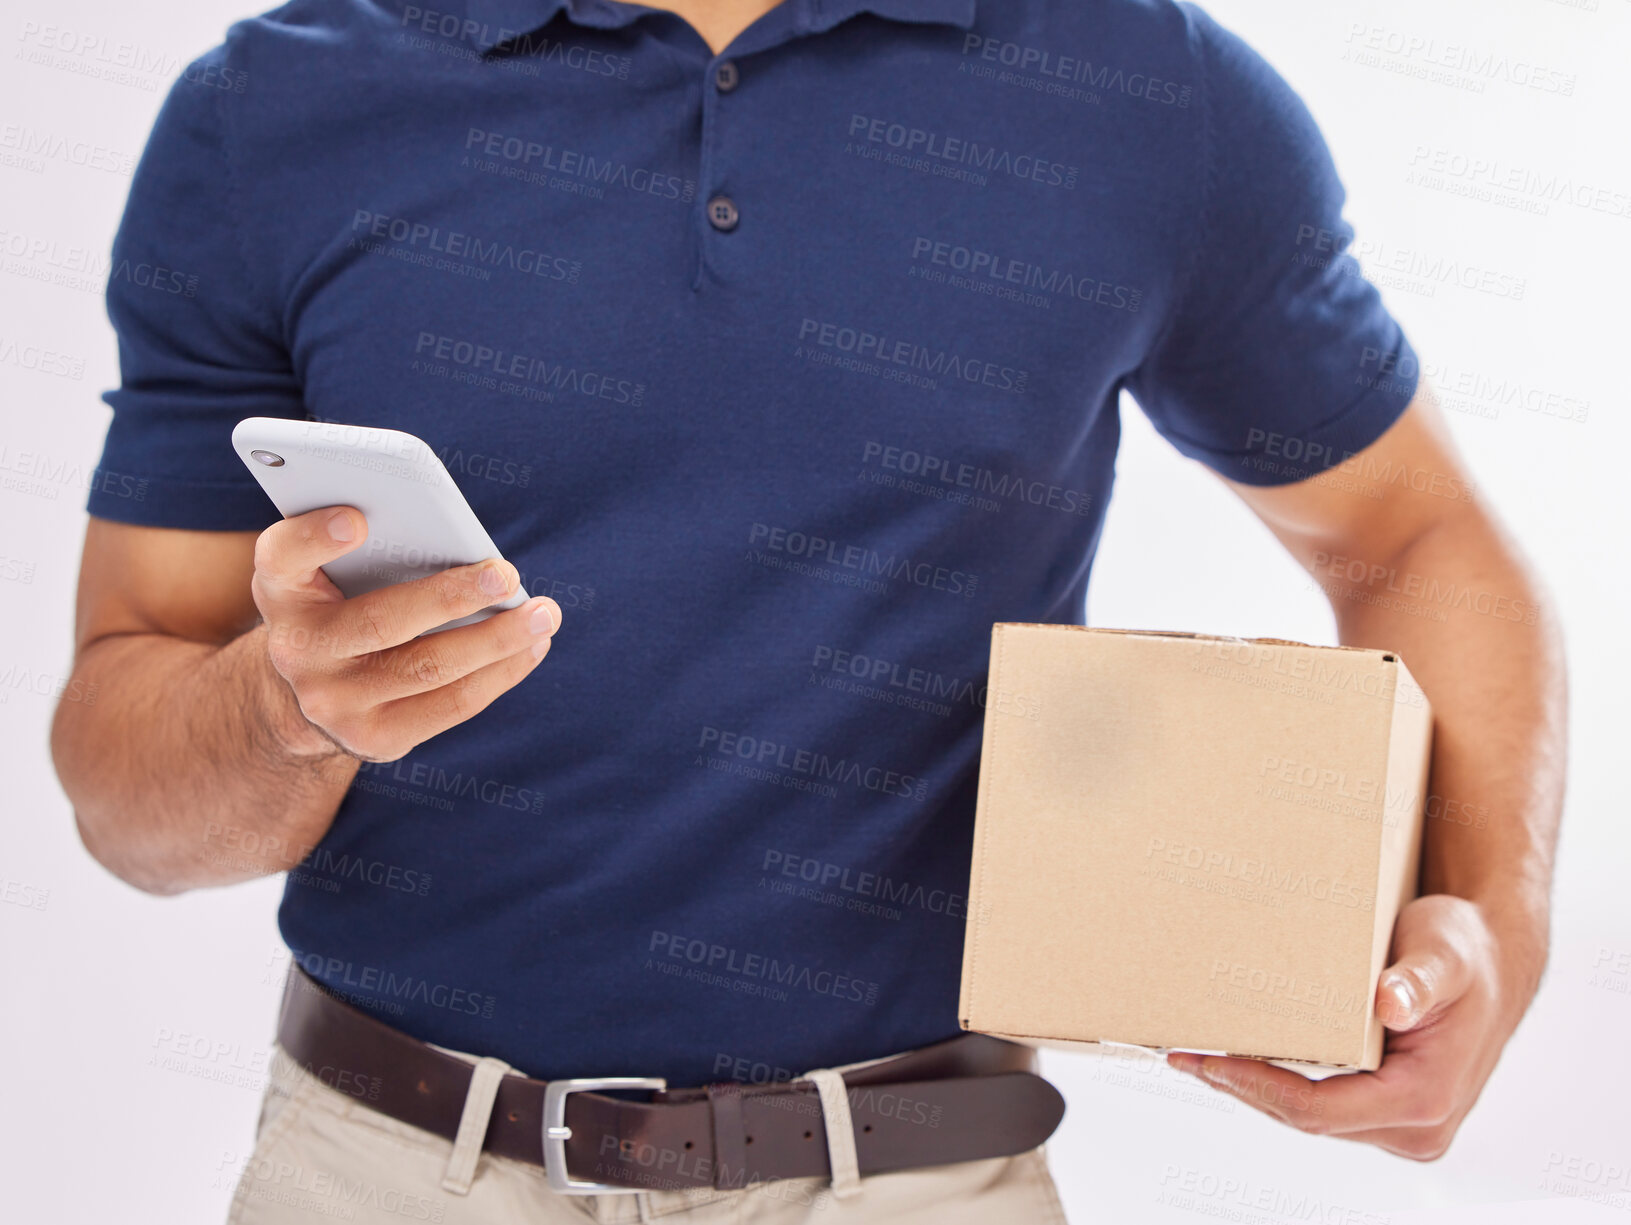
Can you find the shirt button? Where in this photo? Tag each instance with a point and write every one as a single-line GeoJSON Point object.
{"type": "Point", "coordinates": [726, 76]}
{"type": "Point", "coordinates": [722, 212]}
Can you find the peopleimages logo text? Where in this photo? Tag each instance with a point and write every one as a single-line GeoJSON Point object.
{"type": "Point", "coordinates": [921, 142]}
{"type": "Point", "coordinates": [763, 753]}
{"type": "Point", "coordinates": [981, 479]}
{"type": "Point", "coordinates": [371, 982]}
{"type": "Point", "coordinates": [522, 369]}
{"type": "Point", "coordinates": [881, 347]}
{"type": "Point", "coordinates": [534, 155]}
{"type": "Point", "coordinates": [819, 549]}
{"type": "Point", "coordinates": [517, 42]}
{"type": "Point", "coordinates": [427, 777]}
{"type": "Point", "coordinates": [723, 959]}
{"type": "Point", "coordinates": [454, 244]}
{"type": "Point", "coordinates": [1082, 72]}
{"type": "Point", "coordinates": [981, 266]}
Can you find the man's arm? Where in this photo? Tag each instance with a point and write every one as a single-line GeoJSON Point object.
{"type": "Point", "coordinates": [1412, 561]}
{"type": "Point", "coordinates": [236, 690]}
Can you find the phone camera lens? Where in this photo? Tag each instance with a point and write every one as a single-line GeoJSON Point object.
{"type": "Point", "coordinates": [270, 458]}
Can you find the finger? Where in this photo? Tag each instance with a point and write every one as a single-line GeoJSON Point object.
{"type": "Point", "coordinates": [1407, 1091]}
{"type": "Point", "coordinates": [1433, 961]}
{"type": "Point", "coordinates": [390, 616]}
{"type": "Point", "coordinates": [440, 659]}
{"type": "Point", "coordinates": [288, 554]}
{"type": "Point", "coordinates": [423, 715]}
{"type": "Point", "coordinates": [1294, 1100]}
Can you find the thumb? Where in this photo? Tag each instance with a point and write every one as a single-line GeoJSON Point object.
{"type": "Point", "coordinates": [1433, 961]}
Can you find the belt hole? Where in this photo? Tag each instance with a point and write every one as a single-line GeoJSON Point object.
{"type": "Point", "coordinates": [688, 1144]}
{"type": "Point", "coordinates": [809, 1135]}
{"type": "Point", "coordinates": [515, 1116]}
{"type": "Point", "coordinates": [750, 1140]}
{"type": "Point", "coordinates": [868, 1127]}
{"type": "Point", "coordinates": [423, 1086]}
{"type": "Point", "coordinates": [626, 1148]}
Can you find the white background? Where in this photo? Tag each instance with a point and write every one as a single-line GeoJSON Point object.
{"type": "Point", "coordinates": [98, 977]}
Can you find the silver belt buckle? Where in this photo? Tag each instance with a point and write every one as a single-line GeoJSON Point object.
{"type": "Point", "coordinates": [557, 1133]}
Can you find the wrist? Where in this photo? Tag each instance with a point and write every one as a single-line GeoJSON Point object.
{"type": "Point", "coordinates": [288, 733]}
{"type": "Point", "coordinates": [1520, 933]}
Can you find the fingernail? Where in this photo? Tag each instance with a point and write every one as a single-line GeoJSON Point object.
{"type": "Point", "coordinates": [493, 579]}
{"type": "Point", "coordinates": [1210, 1073]}
{"type": "Point", "coordinates": [339, 527]}
{"type": "Point", "coordinates": [542, 620]}
{"type": "Point", "coordinates": [1404, 999]}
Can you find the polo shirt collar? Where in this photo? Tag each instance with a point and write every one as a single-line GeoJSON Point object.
{"type": "Point", "coordinates": [816, 15]}
{"type": "Point", "coordinates": [498, 20]}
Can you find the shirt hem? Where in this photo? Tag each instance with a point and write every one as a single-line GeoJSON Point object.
{"type": "Point", "coordinates": [175, 502]}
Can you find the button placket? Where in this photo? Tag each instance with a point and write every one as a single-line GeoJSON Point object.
{"type": "Point", "coordinates": [721, 209]}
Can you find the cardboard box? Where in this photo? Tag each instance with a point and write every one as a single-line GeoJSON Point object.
{"type": "Point", "coordinates": [1191, 842]}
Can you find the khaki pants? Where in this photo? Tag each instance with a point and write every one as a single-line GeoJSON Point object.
{"type": "Point", "coordinates": [323, 1155]}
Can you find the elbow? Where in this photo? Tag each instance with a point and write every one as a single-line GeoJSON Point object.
{"type": "Point", "coordinates": [127, 867]}
{"type": "Point", "coordinates": [114, 854]}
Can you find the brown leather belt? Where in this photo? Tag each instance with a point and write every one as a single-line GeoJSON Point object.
{"type": "Point", "coordinates": [967, 1098]}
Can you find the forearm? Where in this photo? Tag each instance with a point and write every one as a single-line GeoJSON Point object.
{"type": "Point", "coordinates": [193, 766]}
{"type": "Point", "coordinates": [1459, 605]}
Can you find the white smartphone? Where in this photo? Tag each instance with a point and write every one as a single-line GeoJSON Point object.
{"type": "Point", "coordinates": [418, 521]}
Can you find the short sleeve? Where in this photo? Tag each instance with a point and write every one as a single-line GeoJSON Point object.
{"type": "Point", "coordinates": [1279, 360]}
{"type": "Point", "coordinates": [200, 343]}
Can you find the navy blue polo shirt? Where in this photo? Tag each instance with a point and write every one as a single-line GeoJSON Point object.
{"type": "Point", "coordinates": [787, 372]}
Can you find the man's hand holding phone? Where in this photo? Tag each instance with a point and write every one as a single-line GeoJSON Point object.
{"type": "Point", "coordinates": [365, 681]}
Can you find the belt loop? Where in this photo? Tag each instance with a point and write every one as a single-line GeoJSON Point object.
{"type": "Point", "coordinates": [730, 1137]}
{"type": "Point", "coordinates": [846, 1167]}
{"type": "Point", "coordinates": [478, 1109]}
